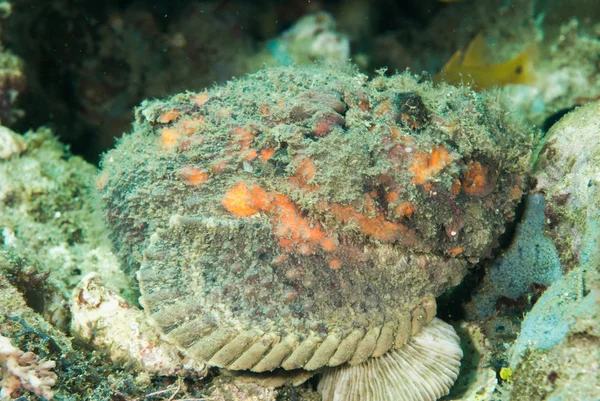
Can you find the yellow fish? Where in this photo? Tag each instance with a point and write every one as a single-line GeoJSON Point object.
{"type": "Point", "coordinates": [473, 68]}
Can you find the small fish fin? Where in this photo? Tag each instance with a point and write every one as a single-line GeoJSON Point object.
{"type": "Point", "coordinates": [475, 53]}
{"type": "Point", "coordinates": [454, 62]}
{"type": "Point", "coordinates": [451, 69]}
{"type": "Point", "coordinates": [522, 66]}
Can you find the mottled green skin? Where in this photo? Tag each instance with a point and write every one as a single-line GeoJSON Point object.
{"type": "Point", "coordinates": [218, 269]}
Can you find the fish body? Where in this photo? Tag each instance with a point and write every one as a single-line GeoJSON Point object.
{"type": "Point", "coordinates": [471, 67]}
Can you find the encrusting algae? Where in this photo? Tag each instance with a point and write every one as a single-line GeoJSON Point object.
{"type": "Point", "coordinates": [306, 219]}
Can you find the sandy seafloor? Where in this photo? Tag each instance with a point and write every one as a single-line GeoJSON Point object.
{"type": "Point", "coordinates": [72, 72]}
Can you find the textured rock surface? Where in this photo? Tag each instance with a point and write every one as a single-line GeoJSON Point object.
{"type": "Point", "coordinates": [557, 354]}
{"type": "Point", "coordinates": [11, 144]}
{"type": "Point", "coordinates": [50, 218]}
{"type": "Point", "coordinates": [567, 171]}
{"type": "Point", "coordinates": [107, 322]}
{"type": "Point", "coordinates": [531, 259]}
{"type": "Point", "coordinates": [304, 217]}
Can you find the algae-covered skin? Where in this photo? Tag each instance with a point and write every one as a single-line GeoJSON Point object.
{"type": "Point", "coordinates": [308, 211]}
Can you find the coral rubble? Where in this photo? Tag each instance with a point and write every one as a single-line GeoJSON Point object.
{"type": "Point", "coordinates": [24, 370]}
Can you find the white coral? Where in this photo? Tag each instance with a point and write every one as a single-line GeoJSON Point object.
{"type": "Point", "coordinates": [11, 143]}
{"type": "Point", "coordinates": [20, 369]}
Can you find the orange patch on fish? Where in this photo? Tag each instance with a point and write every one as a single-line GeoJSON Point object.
{"type": "Point", "coordinates": [266, 154]}
{"type": "Point", "coordinates": [244, 201]}
{"type": "Point", "coordinates": [456, 251]}
{"type": "Point", "coordinates": [294, 231]}
{"type": "Point", "coordinates": [200, 99]}
{"type": "Point", "coordinates": [376, 227]}
{"type": "Point", "coordinates": [168, 139]}
{"type": "Point", "coordinates": [405, 209]}
{"type": "Point", "coordinates": [193, 176]}
{"type": "Point", "coordinates": [477, 181]}
{"type": "Point", "coordinates": [168, 116]}
{"type": "Point", "coordinates": [426, 165]}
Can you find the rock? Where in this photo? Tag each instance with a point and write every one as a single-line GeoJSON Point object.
{"type": "Point", "coordinates": [557, 354]}
{"type": "Point", "coordinates": [11, 143]}
{"type": "Point", "coordinates": [106, 321]}
{"type": "Point", "coordinates": [567, 171]}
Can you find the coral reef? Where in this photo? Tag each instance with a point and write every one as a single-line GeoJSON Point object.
{"type": "Point", "coordinates": [12, 75]}
{"type": "Point", "coordinates": [80, 372]}
{"type": "Point", "coordinates": [556, 353]}
{"type": "Point", "coordinates": [551, 318]}
{"type": "Point", "coordinates": [551, 354]}
{"type": "Point", "coordinates": [24, 370]}
{"type": "Point", "coordinates": [312, 38]}
{"type": "Point", "coordinates": [566, 74]}
{"type": "Point", "coordinates": [302, 225]}
{"type": "Point", "coordinates": [117, 59]}
{"type": "Point", "coordinates": [546, 65]}
{"type": "Point", "coordinates": [49, 214]}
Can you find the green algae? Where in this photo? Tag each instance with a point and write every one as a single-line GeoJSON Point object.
{"type": "Point", "coordinates": [49, 211]}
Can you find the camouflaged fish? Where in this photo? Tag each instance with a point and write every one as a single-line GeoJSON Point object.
{"type": "Point", "coordinates": [306, 218]}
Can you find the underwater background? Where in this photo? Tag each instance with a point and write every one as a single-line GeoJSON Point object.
{"type": "Point", "coordinates": [360, 167]}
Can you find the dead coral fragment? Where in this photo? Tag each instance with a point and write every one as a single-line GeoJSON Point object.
{"type": "Point", "coordinates": [423, 370]}
{"type": "Point", "coordinates": [11, 143]}
{"type": "Point", "coordinates": [24, 370]}
{"type": "Point", "coordinates": [107, 322]}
